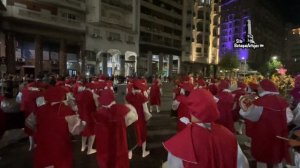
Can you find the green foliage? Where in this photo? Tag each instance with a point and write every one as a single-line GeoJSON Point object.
{"type": "Point", "coordinates": [273, 65]}
{"type": "Point", "coordinates": [229, 62]}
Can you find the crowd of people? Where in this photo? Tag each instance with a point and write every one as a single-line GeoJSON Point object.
{"type": "Point", "coordinates": [209, 115]}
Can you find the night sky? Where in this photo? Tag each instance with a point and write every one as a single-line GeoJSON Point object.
{"type": "Point", "coordinates": [291, 10]}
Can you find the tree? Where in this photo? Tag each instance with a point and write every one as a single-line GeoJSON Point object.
{"type": "Point", "coordinates": [229, 62]}
{"type": "Point", "coordinates": [273, 65]}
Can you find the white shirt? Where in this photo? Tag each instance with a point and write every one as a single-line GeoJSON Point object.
{"type": "Point", "coordinates": [254, 112]}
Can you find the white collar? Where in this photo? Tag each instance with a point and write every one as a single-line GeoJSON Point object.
{"type": "Point", "coordinates": [226, 90]}
{"type": "Point", "coordinates": [267, 93]}
{"type": "Point", "coordinates": [205, 125]}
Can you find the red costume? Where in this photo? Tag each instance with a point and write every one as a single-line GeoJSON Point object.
{"type": "Point", "coordinates": [155, 93]}
{"type": "Point", "coordinates": [111, 137]}
{"type": "Point", "coordinates": [237, 94]}
{"type": "Point", "coordinates": [86, 107]}
{"type": "Point", "coordinates": [200, 146]}
{"type": "Point", "coordinates": [225, 106]}
{"type": "Point", "coordinates": [54, 145]}
{"type": "Point", "coordinates": [182, 111]}
{"type": "Point", "coordinates": [137, 100]}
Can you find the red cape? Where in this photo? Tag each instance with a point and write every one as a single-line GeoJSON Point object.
{"type": "Point", "coordinates": [225, 105]}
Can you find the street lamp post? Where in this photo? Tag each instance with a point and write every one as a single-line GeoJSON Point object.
{"type": "Point", "coordinates": [244, 66]}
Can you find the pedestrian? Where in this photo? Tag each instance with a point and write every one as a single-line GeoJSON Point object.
{"type": "Point", "coordinates": [54, 145]}
{"type": "Point", "coordinates": [269, 116]}
{"type": "Point", "coordinates": [204, 143]}
{"type": "Point", "coordinates": [155, 94]}
{"type": "Point", "coordinates": [240, 91]}
{"type": "Point", "coordinates": [111, 138]}
{"type": "Point", "coordinates": [138, 100]}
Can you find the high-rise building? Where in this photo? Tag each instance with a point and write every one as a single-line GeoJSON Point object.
{"type": "Point", "coordinates": [292, 50]}
{"type": "Point", "coordinates": [201, 21]}
{"type": "Point", "coordinates": [112, 37]}
{"type": "Point", "coordinates": [160, 34]}
{"type": "Point", "coordinates": [267, 29]}
{"type": "Point", "coordinates": [43, 36]}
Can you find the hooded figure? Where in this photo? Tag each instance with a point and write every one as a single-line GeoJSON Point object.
{"type": "Point", "coordinates": [225, 103]}
{"type": "Point", "coordinates": [203, 143]}
{"type": "Point", "coordinates": [269, 116]}
{"type": "Point", "coordinates": [111, 138]}
{"type": "Point", "coordinates": [54, 145]}
{"type": "Point", "coordinates": [155, 94]}
{"type": "Point", "coordinates": [138, 100]}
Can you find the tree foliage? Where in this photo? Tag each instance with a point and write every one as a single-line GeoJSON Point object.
{"type": "Point", "coordinates": [229, 62]}
{"type": "Point", "coordinates": [273, 65]}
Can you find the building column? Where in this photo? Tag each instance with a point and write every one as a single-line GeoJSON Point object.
{"type": "Point", "coordinates": [122, 65]}
{"type": "Point", "coordinates": [10, 53]}
{"type": "Point", "coordinates": [149, 64]}
{"type": "Point", "coordinates": [38, 63]}
{"type": "Point", "coordinates": [104, 63]}
{"type": "Point", "coordinates": [62, 58]}
{"type": "Point", "coordinates": [170, 70]}
{"type": "Point", "coordinates": [160, 62]}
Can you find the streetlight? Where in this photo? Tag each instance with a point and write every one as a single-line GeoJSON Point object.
{"type": "Point", "coordinates": [274, 58]}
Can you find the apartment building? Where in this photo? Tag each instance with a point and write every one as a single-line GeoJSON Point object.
{"type": "Point", "coordinates": [292, 50]}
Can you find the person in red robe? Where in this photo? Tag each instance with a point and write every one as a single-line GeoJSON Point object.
{"type": "Point", "coordinates": [155, 94]}
{"type": "Point", "coordinates": [240, 91]}
{"type": "Point", "coordinates": [86, 103]}
{"type": "Point", "coordinates": [180, 104]}
{"type": "Point", "coordinates": [200, 83]}
{"type": "Point", "coordinates": [54, 145]}
{"type": "Point", "coordinates": [111, 139]}
{"type": "Point", "coordinates": [225, 103]}
{"type": "Point", "coordinates": [204, 143]}
{"type": "Point", "coordinates": [27, 97]}
{"type": "Point", "coordinates": [212, 87]}
{"type": "Point", "coordinates": [269, 116]}
{"type": "Point", "coordinates": [138, 100]}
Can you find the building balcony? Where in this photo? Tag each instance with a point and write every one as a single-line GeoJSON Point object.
{"type": "Point", "coordinates": [177, 5]}
{"type": "Point", "coordinates": [160, 21]}
{"type": "Point", "coordinates": [118, 6]}
{"type": "Point", "coordinates": [162, 10]}
{"type": "Point", "coordinates": [113, 21]}
{"type": "Point", "coordinates": [72, 4]}
{"type": "Point", "coordinates": [160, 33]}
{"type": "Point", "coordinates": [43, 18]}
{"type": "Point", "coordinates": [159, 42]}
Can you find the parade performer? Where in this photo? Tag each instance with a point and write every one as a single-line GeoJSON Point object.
{"type": "Point", "coordinates": [180, 104]}
{"type": "Point", "coordinates": [200, 83]}
{"type": "Point", "coordinates": [111, 121]}
{"type": "Point", "coordinates": [27, 98]}
{"type": "Point", "coordinates": [139, 101]}
{"type": "Point", "coordinates": [155, 94]}
{"type": "Point", "coordinates": [270, 116]}
{"type": "Point", "coordinates": [240, 91]}
{"type": "Point", "coordinates": [225, 103]}
{"type": "Point", "coordinates": [54, 145]}
{"type": "Point", "coordinates": [212, 87]}
{"type": "Point", "coordinates": [85, 100]}
{"type": "Point", "coordinates": [203, 143]}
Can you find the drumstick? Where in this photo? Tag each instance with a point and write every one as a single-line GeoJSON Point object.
{"type": "Point", "coordinates": [283, 138]}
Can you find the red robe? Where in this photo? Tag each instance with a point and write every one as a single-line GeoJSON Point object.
{"type": "Point", "coordinates": [200, 147]}
{"type": "Point", "coordinates": [183, 111]}
{"type": "Point", "coordinates": [265, 146]}
{"type": "Point", "coordinates": [137, 100]}
{"type": "Point", "coordinates": [54, 145]}
{"type": "Point", "coordinates": [28, 105]}
{"type": "Point", "coordinates": [225, 105]}
{"type": "Point", "coordinates": [213, 89]}
{"type": "Point", "coordinates": [237, 94]}
{"type": "Point", "coordinates": [111, 137]}
{"type": "Point", "coordinates": [86, 107]}
{"type": "Point", "coordinates": [2, 120]}
{"type": "Point", "coordinates": [155, 94]}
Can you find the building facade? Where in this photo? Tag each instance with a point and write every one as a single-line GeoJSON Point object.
{"type": "Point", "coordinates": [201, 36]}
{"type": "Point", "coordinates": [267, 29]}
{"type": "Point", "coordinates": [292, 50]}
{"type": "Point", "coordinates": [112, 37]}
{"type": "Point", "coordinates": [43, 36]}
{"type": "Point", "coordinates": [160, 35]}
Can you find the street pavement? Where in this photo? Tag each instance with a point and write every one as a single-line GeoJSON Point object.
{"type": "Point", "coordinates": [160, 128]}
